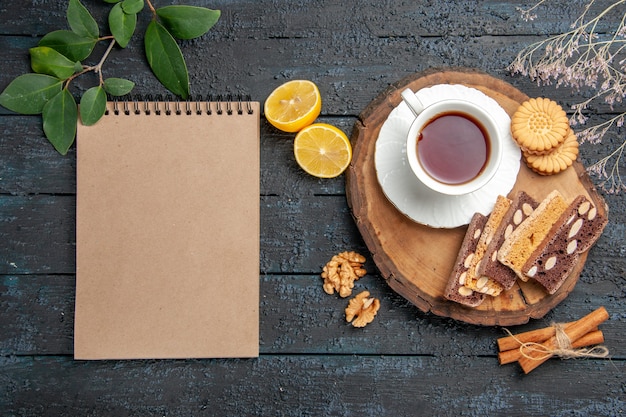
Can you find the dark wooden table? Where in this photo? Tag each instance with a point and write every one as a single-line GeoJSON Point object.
{"type": "Point", "coordinates": [312, 363]}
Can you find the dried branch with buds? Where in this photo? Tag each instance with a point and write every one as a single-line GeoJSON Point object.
{"type": "Point", "coordinates": [586, 60]}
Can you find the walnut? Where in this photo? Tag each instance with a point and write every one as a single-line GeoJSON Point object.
{"type": "Point", "coordinates": [341, 271]}
{"type": "Point", "coordinates": [364, 308]}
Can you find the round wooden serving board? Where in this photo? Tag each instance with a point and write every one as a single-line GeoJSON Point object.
{"type": "Point", "coordinates": [416, 260]}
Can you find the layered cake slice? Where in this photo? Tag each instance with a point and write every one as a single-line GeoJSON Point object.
{"type": "Point", "coordinates": [456, 289]}
{"type": "Point", "coordinates": [578, 228]}
{"type": "Point", "coordinates": [475, 281]}
{"type": "Point", "coordinates": [518, 248]}
{"type": "Point", "coordinates": [521, 207]}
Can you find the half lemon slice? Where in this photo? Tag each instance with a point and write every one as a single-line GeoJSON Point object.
{"type": "Point", "coordinates": [322, 150]}
{"type": "Point", "coordinates": [293, 105]}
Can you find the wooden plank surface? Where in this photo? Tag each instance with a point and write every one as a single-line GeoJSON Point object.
{"type": "Point", "coordinates": [312, 363]}
{"type": "Point", "coordinates": [306, 385]}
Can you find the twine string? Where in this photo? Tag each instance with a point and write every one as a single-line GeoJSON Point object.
{"type": "Point", "coordinates": [563, 349]}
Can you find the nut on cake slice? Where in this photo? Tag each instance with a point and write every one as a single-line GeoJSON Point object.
{"type": "Point", "coordinates": [483, 283]}
{"type": "Point", "coordinates": [578, 228]}
{"type": "Point", "coordinates": [455, 288]}
{"type": "Point", "coordinates": [518, 248]}
{"type": "Point", "coordinates": [521, 207]}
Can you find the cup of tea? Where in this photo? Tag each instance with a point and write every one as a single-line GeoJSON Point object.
{"type": "Point", "coordinates": [453, 146]}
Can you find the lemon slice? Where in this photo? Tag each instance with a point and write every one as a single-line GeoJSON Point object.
{"type": "Point", "coordinates": [293, 105]}
{"type": "Point", "coordinates": [322, 150]}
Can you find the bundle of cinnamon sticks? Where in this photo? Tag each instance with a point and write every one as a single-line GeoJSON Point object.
{"type": "Point", "coordinates": [534, 347]}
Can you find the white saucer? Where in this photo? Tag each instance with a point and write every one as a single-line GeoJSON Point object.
{"type": "Point", "coordinates": [420, 203]}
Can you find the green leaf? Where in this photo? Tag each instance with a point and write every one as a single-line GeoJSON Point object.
{"type": "Point", "coordinates": [112, 1]}
{"type": "Point", "coordinates": [28, 93]}
{"type": "Point", "coordinates": [166, 59]}
{"type": "Point", "coordinates": [132, 6]}
{"type": "Point", "coordinates": [60, 116]}
{"type": "Point", "coordinates": [45, 60]}
{"type": "Point", "coordinates": [69, 44]}
{"type": "Point", "coordinates": [118, 86]}
{"type": "Point", "coordinates": [81, 21]}
{"type": "Point", "coordinates": [187, 22]}
{"type": "Point", "coordinates": [92, 105]}
{"type": "Point", "coordinates": [122, 25]}
{"type": "Point", "coordinates": [78, 67]}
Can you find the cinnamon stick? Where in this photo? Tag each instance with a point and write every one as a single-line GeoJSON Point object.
{"type": "Point", "coordinates": [595, 337]}
{"type": "Point", "coordinates": [574, 332]}
{"type": "Point", "coordinates": [536, 336]}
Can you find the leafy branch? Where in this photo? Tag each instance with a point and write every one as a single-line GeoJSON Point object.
{"type": "Point", "coordinates": [57, 59]}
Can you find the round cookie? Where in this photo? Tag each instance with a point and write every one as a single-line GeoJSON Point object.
{"type": "Point", "coordinates": [556, 161]}
{"type": "Point", "coordinates": [539, 125]}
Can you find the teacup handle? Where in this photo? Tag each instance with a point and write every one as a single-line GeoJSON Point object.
{"type": "Point", "coordinates": [412, 101]}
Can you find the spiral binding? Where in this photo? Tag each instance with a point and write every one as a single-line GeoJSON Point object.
{"type": "Point", "coordinates": [174, 106]}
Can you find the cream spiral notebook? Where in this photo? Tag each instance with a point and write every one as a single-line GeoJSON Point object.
{"type": "Point", "coordinates": [167, 239]}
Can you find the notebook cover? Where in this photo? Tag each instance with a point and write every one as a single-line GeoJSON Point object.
{"type": "Point", "coordinates": [167, 239]}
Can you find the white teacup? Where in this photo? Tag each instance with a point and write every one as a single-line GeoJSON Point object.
{"type": "Point", "coordinates": [453, 146]}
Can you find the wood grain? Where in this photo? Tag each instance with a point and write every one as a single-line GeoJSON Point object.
{"type": "Point", "coordinates": [416, 259]}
